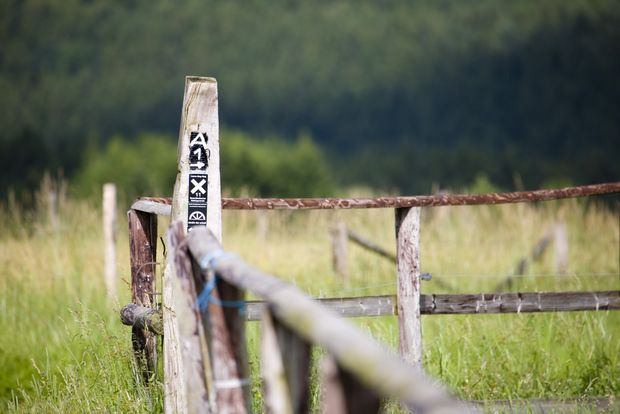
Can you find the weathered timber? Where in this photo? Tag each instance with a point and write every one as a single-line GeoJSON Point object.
{"type": "Point", "coordinates": [143, 318]}
{"type": "Point", "coordinates": [520, 302]}
{"type": "Point", "coordinates": [285, 368]}
{"type": "Point", "coordinates": [408, 284]}
{"type": "Point", "coordinates": [463, 304]}
{"type": "Point", "coordinates": [411, 201]}
{"type": "Point", "coordinates": [142, 255]}
{"type": "Point", "coordinates": [109, 239]}
{"type": "Point", "coordinates": [225, 325]}
{"type": "Point", "coordinates": [194, 351]}
{"type": "Point", "coordinates": [200, 115]}
{"type": "Point", "coordinates": [346, 307]}
{"type": "Point", "coordinates": [354, 351]}
{"type": "Point", "coordinates": [152, 206]}
{"type": "Point", "coordinates": [343, 393]}
{"type": "Point", "coordinates": [340, 256]}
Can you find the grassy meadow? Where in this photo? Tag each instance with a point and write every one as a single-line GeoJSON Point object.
{"type": "Point", "coordinates": [63, 348]}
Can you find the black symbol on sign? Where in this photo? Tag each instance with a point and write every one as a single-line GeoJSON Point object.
{"type": "Point", "coordinates": [198, 186]}
{"type": "Point", "coordinates": [198, 138]}
{"type": "Point", "coordinates": [199, 158]}
{"type": "Point", "coordinates": [197, 216]}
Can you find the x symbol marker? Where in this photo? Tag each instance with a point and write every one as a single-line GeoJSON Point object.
{"type": "Point", "coordinates": [198, 186]}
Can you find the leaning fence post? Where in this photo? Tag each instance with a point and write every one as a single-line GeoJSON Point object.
{"type": "Point", "coordinates": [109, 239]}
{"type": "Point", "coordinates": [408, 289]}
{"type": "Point", "coordinates": [339, 238]}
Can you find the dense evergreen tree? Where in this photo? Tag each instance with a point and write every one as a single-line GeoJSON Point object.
{"type": "Point", "coordinates": [423, 91]}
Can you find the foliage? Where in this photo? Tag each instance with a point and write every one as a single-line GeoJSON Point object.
{"type": "Point", "coordinates": [498, 87]}
{"type": "Point", "coordinates": [66, 350]}
{"type": "Point", "coordinates": [146, 165]}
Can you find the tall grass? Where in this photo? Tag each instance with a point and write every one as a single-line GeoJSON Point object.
{"type": "Point", "coordinates": [62, 348]}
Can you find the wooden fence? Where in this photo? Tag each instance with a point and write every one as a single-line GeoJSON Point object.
{"type": "Point", "coordinates": [205, 360]}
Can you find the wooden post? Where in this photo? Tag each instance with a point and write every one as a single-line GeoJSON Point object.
{"type": "Point", "coordinates": [561, 248]}
{"type": "Point", "coordinates": [408, 288]}
{"type": "Point", "coordinates": [142, 256]}
{"type": "Point", "coordinates": [285, 368]}
{"type": "Point", "coordinates": [340, 259]}
{"type": "Point", "coordinates": [196, 203]}
{"type": "Point", "coordinates": [343, 393]}
{"type": "Point", "coordinates": [109, 238]}
{"type": "Point", "coordinates": [197, 374]}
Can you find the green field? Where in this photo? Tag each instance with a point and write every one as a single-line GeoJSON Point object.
{"type": "Point", "coordinates": [63, 349]}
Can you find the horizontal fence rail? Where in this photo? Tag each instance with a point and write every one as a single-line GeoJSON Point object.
{"type": "Point", "coordinates": [158, 205]}
{"type": "Point", "coordinates": [463, 304]}
{"type": "Point", "coordinates": [361, 356]}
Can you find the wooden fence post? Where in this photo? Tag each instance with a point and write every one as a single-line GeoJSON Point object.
{"type": "Point", "coordinates": [340, 258]}
{"type": "Point", "coordinates": [561, 248]}
{"type": "Point", "coordinates": [408, 288]}
{"type": "Point", "coordinates": [285, 368]}
{"type": "Point", "coordinates": [197, 203]}
{"type": "Point", "coordinates": [109, 239]}
{"type": "Point", "coordinates": [142, 257]}
{"type": "Point", "coordinates": [343, 393]}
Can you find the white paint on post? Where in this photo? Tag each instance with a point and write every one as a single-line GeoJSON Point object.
{"type": "Point", "coordinates": [408, 286]}
{"type": "Point", "coordinates": [197, 188]}
{"type": "Point", "coordinates": [109, 239]}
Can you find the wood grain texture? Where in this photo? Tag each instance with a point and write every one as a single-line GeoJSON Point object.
{"type": "Point", "coordinates": [200, 114]}
{"type": "Point", "coordinates": [191, 336]}
{"type": "Point", "coordinates": [354, 351]}
{"type": "Point", "coordinates": [142, 257]}
{"type": "Point", "coordinates": [408, 284]}
{"type": "Point", "coordinates": [412, 201]}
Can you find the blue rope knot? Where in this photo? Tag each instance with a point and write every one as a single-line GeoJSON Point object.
{"type": "Point", "coordinates": [208, 262]}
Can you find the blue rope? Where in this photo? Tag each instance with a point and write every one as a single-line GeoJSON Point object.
{"type": "Point", "coordinates": [209, 262]}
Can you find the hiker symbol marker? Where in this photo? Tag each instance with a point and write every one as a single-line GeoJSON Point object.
{"type": "Point", "coordinates": [198, 180]}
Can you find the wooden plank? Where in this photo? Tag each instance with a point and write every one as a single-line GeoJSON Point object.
{"type": "Point", "coordinates": [285, 368]}
{"type": "Point", "coordinates": [340, 256]}
{"type": "Point", "coordinates": [276, 395]}
{"type": "Point", "coordinates": [520, 302]}
{"type": "Point", "coordinates": [343, 393]}
{"type": "Point", "coordinates": [408, 284]}
{"type": "Point", "coordinates": [142, 317]}
{"type": "Point", "coordinates": [191, 335]}
{"type": "Point", "coordinates": [225, 318]}
{"type": "Point", "coordinates": [354, 350]}
{"type": "Point", "coordinates": [199, 115]}
{"type": "Point", "coordinates": [143, 256]}
{"type": "Point", "coordinates": [109, 239]}
{"type": "Point", "coordinates": [346, 307]}
{"type": "Point", "coordinates": [463, 304]}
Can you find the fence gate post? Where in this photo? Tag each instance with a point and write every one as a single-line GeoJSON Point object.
{"type": "Point", "coordinates": [408, 284]}
{"type": "Point", "coordinates": [340, 259]}
{"type": "Point", "coordinates": [196, 202]}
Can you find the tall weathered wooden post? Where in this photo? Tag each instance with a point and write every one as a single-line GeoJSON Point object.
{"type": "Point", "coordinates": [196, 202]}
{"type": "Point", "coordinates": [408, 287]}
